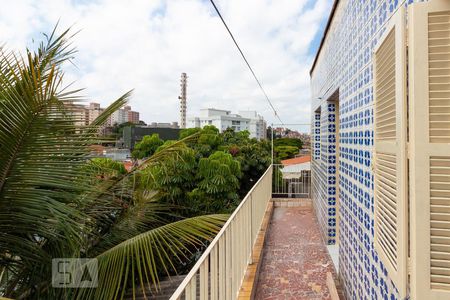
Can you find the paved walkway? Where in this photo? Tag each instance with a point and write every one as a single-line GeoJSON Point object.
{"type": "Point", "coordinates": [296, 260]}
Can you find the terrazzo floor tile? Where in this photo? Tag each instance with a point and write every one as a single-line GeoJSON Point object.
{"type": "Point", "coordinates": [296, 260]}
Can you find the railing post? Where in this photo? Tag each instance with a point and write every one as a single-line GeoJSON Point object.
{"type": "Point", "coordinates": [271, 142]}
{"type": "Point", "coordinates": [250, 261]}
{"type": "Point", "coordinates": [271, 180]}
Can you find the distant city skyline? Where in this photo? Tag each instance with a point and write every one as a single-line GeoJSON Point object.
{"type": "Point", "coordinates": [157, 40]}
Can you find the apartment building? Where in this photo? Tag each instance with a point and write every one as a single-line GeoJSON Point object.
{"type": "Point", "coordinates": [381, 146]}
{"type": "Point", "coordinates": [132, 116]}
{"type": "Point", "coordinates": [257, 125]}
{"type": "Point", "coordinates": [93, 111]}
{"type": "Point", "coordinates": [223, 119]}
{"type": "Point", "coordinates": [78, 112]}
{"type": "Point", "coordinates": [86, 114]}
{"type": "Point", "coordinates": [120, 116]}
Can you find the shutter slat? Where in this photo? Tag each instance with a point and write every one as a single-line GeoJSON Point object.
{"type": "Point", "coordinates": [388, 201]}
{"type": "Point", "coordinates": [386, 88]}
{"type": "Point", "coordinates": [390, 150]}
{"type": "Point", "coordinates": [388, 190]}
{"type": "Point", "coordinates": [390, 233]}
{"type": "Point", "coordinates": [439, 94]}
{"type": "Point", "coordinates": [429, 83]}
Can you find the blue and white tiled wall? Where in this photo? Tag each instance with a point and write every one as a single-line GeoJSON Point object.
{"type": "Point", "coordinates": [343, 140]}
{"type": "Point", "coordinates": [325, 187]}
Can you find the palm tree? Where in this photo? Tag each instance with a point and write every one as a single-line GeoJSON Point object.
{"type": "Point", "coordinates": [51, 208]}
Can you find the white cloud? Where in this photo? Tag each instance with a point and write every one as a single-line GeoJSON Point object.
{"type": "Point", "coordinates": [145, 45]}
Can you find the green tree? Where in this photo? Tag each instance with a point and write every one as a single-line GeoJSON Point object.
{"type": "Point", "coordinates": [104, 168]}
{"type": "Point", "coordinates": [147, 146]}
{"type": "Point", "coordinates": [232, 137]}
{"type": "Point", "coordinates": [254, 156]}
{"type": "Point", "coordinates": [50, 209]}
{"type": "Point", "coordinates": [184, 133]}
{"type": "Point", "coordinates": [288, 142]}
{"type": "Point", "coordinates": [218, 184]}
{"type": "Point", "coordinates": [254, 159]}
{"type": "Point", "coordinates": [285, 148]}
{"type": "Point", "coordinates": [208, 140]}
{"type": "Point", "coordinates": [285, 152]}
{"type": "Point", "coordinates": [173, 177]}
{"type": "Point", "coordinates": [179, 185]}
{"type": "Point", "coordinates": [269, 133]}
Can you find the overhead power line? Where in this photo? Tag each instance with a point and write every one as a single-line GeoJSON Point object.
{"type": "Point", "coordinates": [246, 61]}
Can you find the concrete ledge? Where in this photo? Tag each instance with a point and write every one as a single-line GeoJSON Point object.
{"type": "Point", "coordinates": [248, 287]}
{"type": "Point", "coordinates": [332, 287]}
{"type": "Point", "coordinates": [292, 202]}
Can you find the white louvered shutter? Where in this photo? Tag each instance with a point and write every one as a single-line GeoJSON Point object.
{"type": "Point", "coordinates": [429, 83]}
{"type": "Point", "coordinates": [390, 161]}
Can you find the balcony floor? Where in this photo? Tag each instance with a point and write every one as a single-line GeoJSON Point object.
{"type": "Point", "coordinates": [295, 261]}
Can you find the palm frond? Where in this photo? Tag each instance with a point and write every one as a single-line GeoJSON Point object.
{"type": "Point", "coordinates": [140, 217]}
{"type": "Point", "coordinates": [119, 103]}
{"type": "Point", "coordinates": [136, 261]}
{"type": "Point", "coordinates": [38, 162]}
{"type": "Point", "coordinates": [42, 152]}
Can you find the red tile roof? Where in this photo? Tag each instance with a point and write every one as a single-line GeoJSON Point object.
{"type": "Point", "coordinates": [128, 165]}
{"type": "Point", "coordinates": [296, 160]}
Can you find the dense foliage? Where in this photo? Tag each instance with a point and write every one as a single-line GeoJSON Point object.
{"type": "Point", "coordinates": [218, 183]}
{"type": "Point", "coordinates": [209, 140]}
{"type": "Point", "coordinates": [146, 147]}
{"type": "Point", "coordinates": [285, 148]}
{"type": "Point", "coordinates": [254, 158]}
{"type": "Point", "coordinates": [173, 178]}
{"type": "Point", "coordinates": [213, 174]}
{"type": "Point", "coordinates": [288, 142]}
{"type": "Point", "coordinates": [104, 169]}
{"type": "Point", "coordinates": [285, 152]}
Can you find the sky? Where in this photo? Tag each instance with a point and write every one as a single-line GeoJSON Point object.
{"type": "Point", "coordinates": [146, 44]}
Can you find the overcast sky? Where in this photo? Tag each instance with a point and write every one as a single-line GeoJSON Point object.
{"type": "Point", "coordinates": [145, 44]}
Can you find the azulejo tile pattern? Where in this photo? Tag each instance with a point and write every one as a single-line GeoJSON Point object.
{"type": "Point", "coordinates": [342, 133]}
{"type": "Point", "coordinates": [325, 187]}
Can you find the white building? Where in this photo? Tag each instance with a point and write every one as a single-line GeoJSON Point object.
{"type": "Point", "coordinates": [257, 125]}
{"type": "Point", "coordinates": [223, 119]}
{"type": "Point", "coordinates": [119, 116]}
{"type": "Point", "coordinates": [164, 125]}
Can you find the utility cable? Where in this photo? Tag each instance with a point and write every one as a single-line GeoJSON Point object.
{"type": "Point", "coordinates": [246, 61]}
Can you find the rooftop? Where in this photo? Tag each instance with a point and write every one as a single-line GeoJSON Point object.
{"type": "Point", "coordinates": [296, 160]}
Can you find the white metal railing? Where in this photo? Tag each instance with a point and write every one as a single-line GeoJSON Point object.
{"type": "Point", "coordinates": [291, 181]}
{"type": "Point", "coordinates": [219, 272]}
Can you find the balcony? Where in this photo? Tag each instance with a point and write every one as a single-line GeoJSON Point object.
{"type": "Point", "coordinates": [270, 248]}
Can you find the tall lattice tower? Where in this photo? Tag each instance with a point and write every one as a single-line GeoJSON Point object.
{"type": "Point", "coordinates": [182, 98]}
